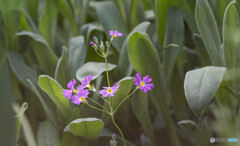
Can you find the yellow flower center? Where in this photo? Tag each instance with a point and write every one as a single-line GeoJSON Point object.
{"type": "Point", "coordinates": [114, 36]}
{"type": "Point", "coordinates": [88, 86]}
{"type": "Point", "coordinates": [82, 99]}
{"type": "Point", "coordinates": [142, 83]}
{"type": "Point", "coordinates": [109, 90]}
{"type": "Point", "coordinates": [75, 91]}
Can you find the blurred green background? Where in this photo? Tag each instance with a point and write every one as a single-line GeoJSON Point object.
{"type": "Point", "coordinates": [43, 44]}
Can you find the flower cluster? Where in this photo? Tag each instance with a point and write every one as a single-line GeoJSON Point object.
{"type": "Point", "coordinates": [100, 48]}
{"type": "Point", "coordinates": [79, 95]}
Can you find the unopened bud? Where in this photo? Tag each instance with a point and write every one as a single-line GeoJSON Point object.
{"type": "Point", "coordinates": [92, 44]}
{"type": "Point", "coordinates": [102, 47]}
{"type": "Point", "coordinates": [114, 136]}
{"type": "Point", "coordinates": [95, 39]}
{"type": "Point", "coordinates": [107, 44]}
{"type": "Point", "coordinates": [92, 88]}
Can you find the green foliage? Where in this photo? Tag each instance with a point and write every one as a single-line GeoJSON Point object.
{"type": "Point", "coordinates": [8, 137]}
{"type": "Point", "coordinates": [54, 91]}
{"type": "Point", "coordinates": [174, 34]}
{"type": "Point", "coordinates": [89, 128]}
{"type": "Point", "coordinates": [124, 89]}
{"type": "Point", "coordinates": [93, 68]}
{"type": "Point", "coordinates": [189, 48]}
{"type": "Point", "coordinates": [61, 68]}
{"type": "Point", "coordinates": [77, 54]}
{"type": "Point", "coordinates": [111, 20]}
{"type": "Point", "coordinates": [207, 27]}
{"type": "Point", "coordinates": [47, 134]}
{"type": "Point", "coordinates": [201, 85]}
{"type": "Point", "coordinates": [231, 36]}
{"type": "Point", "coordinates": [140, 109]}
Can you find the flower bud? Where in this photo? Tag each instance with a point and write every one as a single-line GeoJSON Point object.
{"type": "Point", "coordinates": [92, 44]}
{"type": "Point", "coordinates": [113, 142]}
{"type": "Point", "coordinates": [92, 88]}
{"type": "Point", "coordinates": [102, 47]}
{"type": "Point", "coordinates": [107, 44]}
{"type": "Point", "coordinates": [95, 39]}
{"type": "Point", "coordinates": [114, 137]}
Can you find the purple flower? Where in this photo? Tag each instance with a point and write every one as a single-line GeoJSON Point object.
{"type": "Point", "coordinates": [92, 43]}
{"type": "Point", "coordinates": [86, 82]}
{"type": "Point", "coordinates": [143, 84]}
{"type": "Point", "coordinates": [68, 93]}
{"type": "Point", "coordinates": [95, 39]}
{"type": "Point", "coordinates": [114, 137]}
{"type": "Point", "coordinates": [109, 91]}
{"type": "Point", "coordinates": [115, 33]}
{"type": "Point", "coordinates": [80, 97]}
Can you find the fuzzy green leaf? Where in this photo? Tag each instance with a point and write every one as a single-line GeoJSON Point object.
{"type": "Point", "coordinates": [48, 134]}
{"type": "Point", "coordinates": [140, 109]}
{"type": "Point", "coordinates": [200, 86]}
{"type": "Point", "coordinates": [55, 92]}
{"type": "Point", "coordinates": [93, 68]}
{"type": "Point", "coordinates": [76, 55]}
{"type": "Point", "coordinates": [207, 27]}
{"type": "Point", "coordinates": [88, 128]}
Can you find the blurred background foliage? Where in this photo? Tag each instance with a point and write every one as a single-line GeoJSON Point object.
{"type": "Point", "coordinates": [43, 44]}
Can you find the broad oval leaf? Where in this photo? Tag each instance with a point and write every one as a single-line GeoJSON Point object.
{"type": "Point", "coordinates": [77, 54]}
{"type": "Point", "coordinates": [21, 70]}
{"type": "Point", "coordinates": [207, 27]}
{"type": "Point", "coordinates": [140, 109]}
{"type": "Point", "coordinates": [48, 105]}
{"type": "Point", "coordinates": [36, 37]}
{"type": "Point", "coordinates": [200, 86]}
{"type": "Point", "coordinates": [93, 68]}
{"type": "Point", "coordinates": [125, 86]}
{"type": "Point", "coordinates": [143, 56]}
{"type": "Point", "coordinates": [88, 128]}
{"type": "Point", "coordinates": [54, 91]}
{"type": "Point", "coordinates": [187, 123]}
{"type": "Point", "coordinates": [47, 134]}
{"type": "Point", "coordinates": [124, 65]}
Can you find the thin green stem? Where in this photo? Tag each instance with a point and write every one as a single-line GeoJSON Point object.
{"type": "Point", "coordinates": [107, 70]}
{"type": "Point", "coordinates": [98, 104]}
{"type": "Point", "coordinates": [125, 99]}
{"type": "Point", "coordinates": [97, 109]}
{"type": "Point", "coordinates": [103, 98]}
{"type": "Point", "coordinates": [108, 48]}
{"type": "Point", "coordinates": [120, 131]}
{"type": "Point", "coordinates": [99, 54]}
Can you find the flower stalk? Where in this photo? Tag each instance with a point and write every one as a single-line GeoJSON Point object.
{"type": "Point", "coordinates": [107, 93]}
